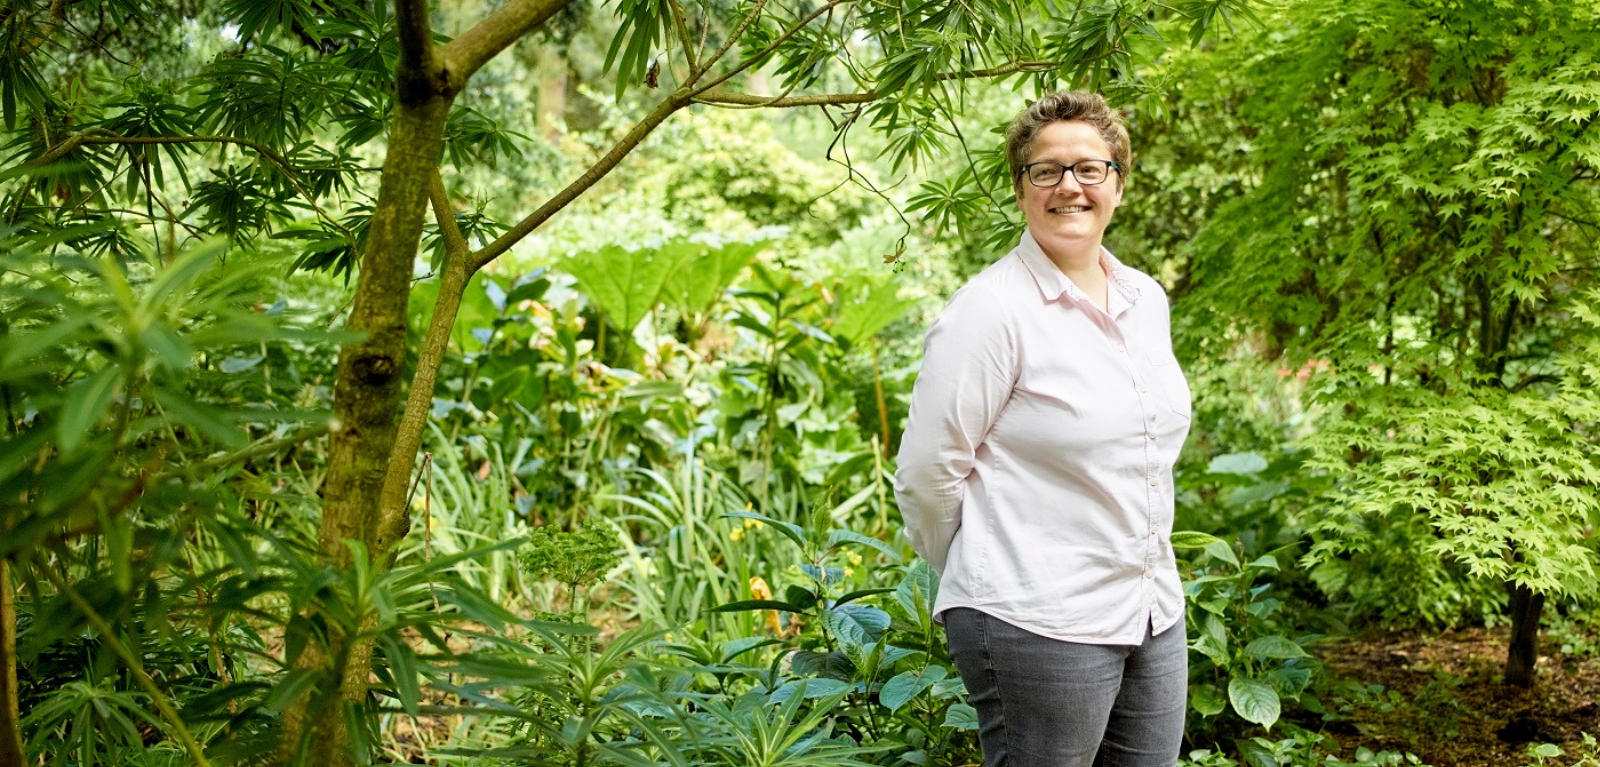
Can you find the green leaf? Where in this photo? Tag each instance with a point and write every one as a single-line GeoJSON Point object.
{"type": "Point", "coordinates": [1254, 700]}
{"type": "Point", "coordinates": [1238, 463]}
{"type": "Point", "coordinates": [167, 347]}
{"type": "Point", "coordinates": [800, 596]}
{"type": "Point", "coordinates": [704, 274]}
{"type": "Point", "coordinates": [623, 283]}
{"type": "Point", "coordinates": [733, 648]}
{"type": "Point", "coordinates": [402, 670]}
{"type": "Point", "coordinates": [857, 625]}
{"type": "Point", "coordinates": [1275, 646]}
{"type": "Point", "coordinates": [757, 604]}
{"type": "Point", "coordinates": [961, 716]}
{"type": "Point", "coordinates": [866, 307]}
{"type": "Point", "coordinates": [840, 536]}
{"type": "Point", "coordinates": [1207, 700]}
{"type": "Point", "coordinates": [1244, 496]}
{"type": "Point", "coordinates": [1290, 681]}
{"type": "Point", "coordinates": [909, 684]}
{"type": "Point", "coordinates": [918, 589]}
{"type": "Point", "coordinates": [834, 665]}
{"type": "Point", "coordinates": [172, 283]}
{"type": "Point", "coordinates": [531, 287]}
{"type": "Point", "coordinates": [205, 419]}
{"type": "Point", "coordinates": [789, 529]}
{"type": "Point", "coordinates": [814, 687]}
{"type": "Point", "coordinates": [1220, 549]}
{"type": "Point", "coordinates": [861, 594]}
{"type": "Point", "coordinates": [1189, 539]}
{"type": "Point", "coordinates": [85, 403]}
{"type": "Point", "coordinates": [667, 390]}
{"type": "Point", "coordinates": [1256, 753]}
{"type": "Point", "coordinates": [22, 347]}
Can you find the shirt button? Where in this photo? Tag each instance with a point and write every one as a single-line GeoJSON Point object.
{"type": "Point", "coordinates": [1122, 349]}
{"type": "Point", "coordinates": [1144, 389]}
{"type": "Point", "coordinates": [1154, 482]}
{"type": "Point", "coordinates": [1150, 434]}
{"type": "Point", "coordinates": [1149, 575]}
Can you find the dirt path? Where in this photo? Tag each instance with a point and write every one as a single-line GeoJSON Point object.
{"type": "Point", "coordinates": [1441, 698]}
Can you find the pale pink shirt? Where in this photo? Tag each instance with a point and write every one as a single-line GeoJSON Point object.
{"type": "Point", "coordinates": [1035, 472]}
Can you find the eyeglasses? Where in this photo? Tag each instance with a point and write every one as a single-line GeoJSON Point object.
{"type": "Point", "coordinates": [1046, 175]}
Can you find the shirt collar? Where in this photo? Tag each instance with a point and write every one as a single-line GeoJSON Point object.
{"type": "Point", "coordinates": [1053, 283]}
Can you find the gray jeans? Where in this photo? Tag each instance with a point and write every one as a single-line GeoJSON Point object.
{"type": "Point", "coordinates": [1047, 703]}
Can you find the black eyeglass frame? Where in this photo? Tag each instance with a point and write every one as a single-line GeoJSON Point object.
{"type": "Point", "coordinates": [1027, 172]}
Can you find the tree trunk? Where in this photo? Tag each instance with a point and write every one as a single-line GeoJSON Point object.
{"type": "Point", "coordinates": [367, 406]}
{"type": "Point", "coordinates": [10, 717]}
{"type": "Point", "coordinates": [1525, 608]}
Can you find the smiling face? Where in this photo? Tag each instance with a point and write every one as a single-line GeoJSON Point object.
{"type": "Point", "coordinates": [1069, 219]}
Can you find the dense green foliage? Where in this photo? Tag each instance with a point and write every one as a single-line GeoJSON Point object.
{"type": "Point", "coordinates": [651, 520]}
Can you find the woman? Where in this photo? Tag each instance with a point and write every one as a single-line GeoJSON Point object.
{"type": "Point", "coordinates": [1036, 469]}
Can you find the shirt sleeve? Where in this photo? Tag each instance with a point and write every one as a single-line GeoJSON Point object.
{"type": "Point", "coordinates": [969, 363]}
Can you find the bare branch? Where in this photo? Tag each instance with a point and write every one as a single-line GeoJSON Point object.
{"type": "Point", "coordinates": [1000, 71]}
{"type": "Point", "coordinates": [603, 166]}
{"type": "Point", "coordinates": [454, 243]}
{"type": "Point", "coordinates": [393, 511]}
{"type": "Point", "coordinates": [721, 97]}
{"type": "Point", "coordinates": [466, 54]}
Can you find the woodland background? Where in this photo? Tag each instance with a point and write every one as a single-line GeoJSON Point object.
{"type": "Point", "coordinates": [476, 383]}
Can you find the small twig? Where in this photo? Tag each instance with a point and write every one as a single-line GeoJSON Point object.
{"type": "Point", "coordinates": [260, 449]}
{"type": "Point", "coordinates": [681, 25]}
{"type": "Point", "coordinates": [764, 52]}
{"type": "Point", "coordinates": [57, 12]}
{"type": "Point", "coordinates": [738, 31]}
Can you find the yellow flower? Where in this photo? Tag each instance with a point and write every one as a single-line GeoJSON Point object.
{"type": "Point", "coordinates": [736, 534]}
{"type": "Point", "coordinates": [759, 588]}
{"type": "Point", "coordinates": [855, 559]}
{"type": "Point", "coordinates": [749, 523]}
{"type": "Point", "coordinates": [849, 571]}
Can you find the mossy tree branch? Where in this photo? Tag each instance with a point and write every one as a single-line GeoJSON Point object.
{"type": "Point", "coordinates": [10, 712]}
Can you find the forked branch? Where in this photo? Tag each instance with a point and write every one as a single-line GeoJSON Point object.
{"type": "Point", "coordinates": [465, 55]}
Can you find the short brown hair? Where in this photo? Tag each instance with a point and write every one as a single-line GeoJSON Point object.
{"type": "Point", "coordinates": [1068, 106]}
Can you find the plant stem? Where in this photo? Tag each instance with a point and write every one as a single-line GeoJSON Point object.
{"type": "Point", "coordinates": [883, 407]}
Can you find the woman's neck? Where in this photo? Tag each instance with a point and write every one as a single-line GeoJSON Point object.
{"type": "Point", "coordinates": [1086, 272]}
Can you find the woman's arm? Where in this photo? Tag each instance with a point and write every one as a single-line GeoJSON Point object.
{"type": "Point", "coordinates": [969, 366]}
